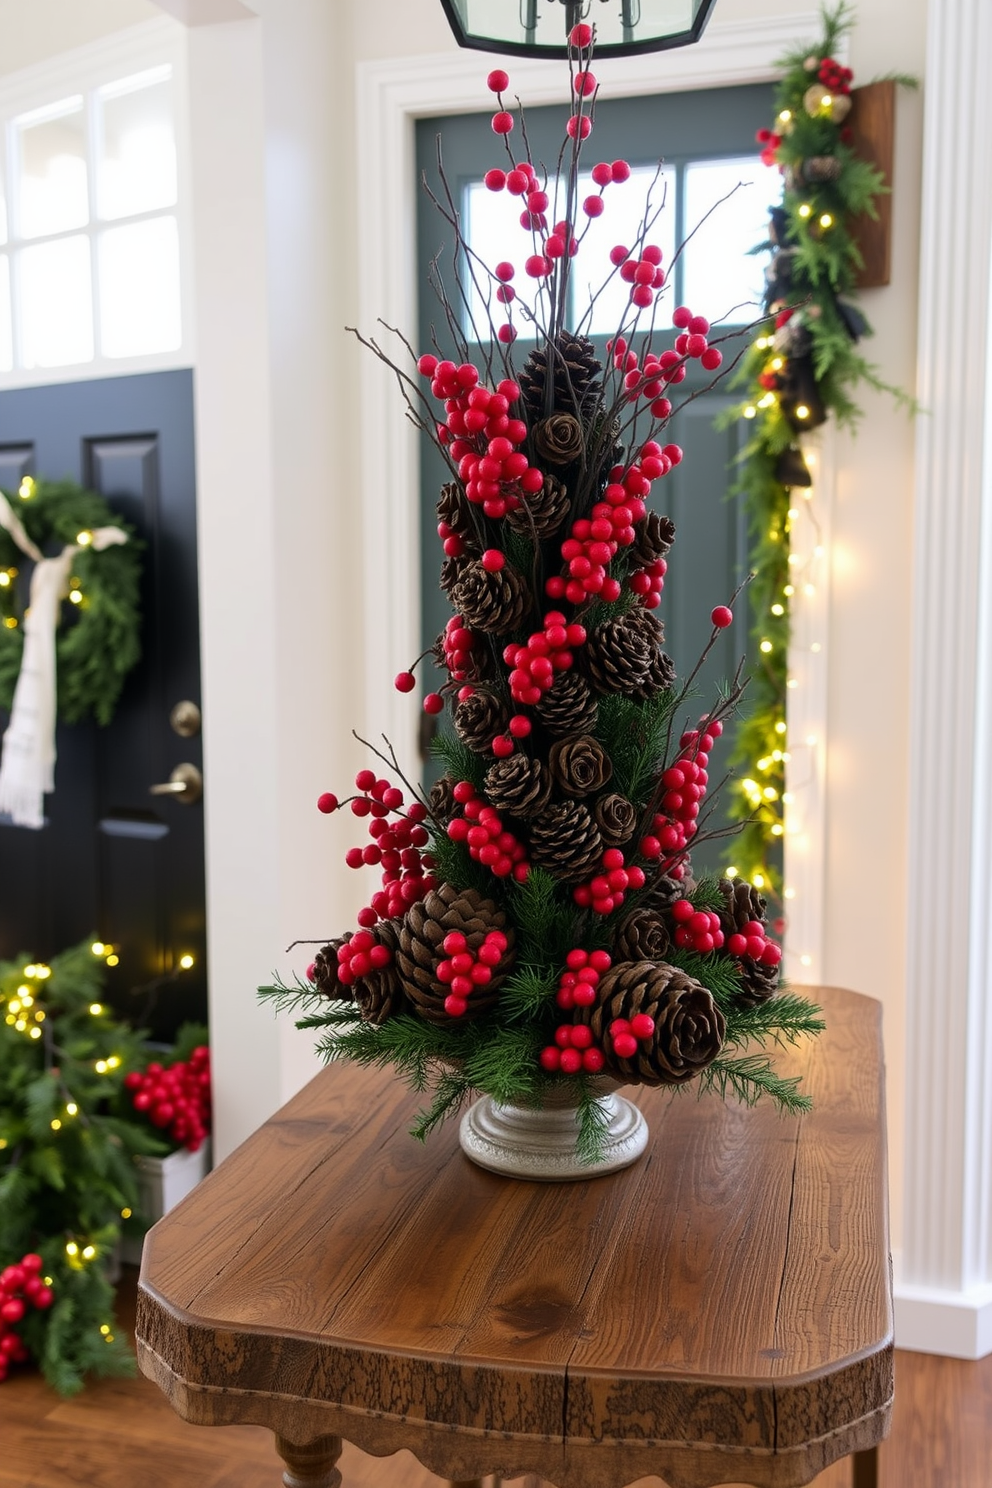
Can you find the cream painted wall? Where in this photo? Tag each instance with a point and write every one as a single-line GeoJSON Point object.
{"type": "Point", "coordinates": [867, 751]}
{"type": "Point", "coordinates": [32, 30]}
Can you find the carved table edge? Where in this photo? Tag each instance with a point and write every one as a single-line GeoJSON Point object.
{"type": "Point", "coordinates": [462, 1452]}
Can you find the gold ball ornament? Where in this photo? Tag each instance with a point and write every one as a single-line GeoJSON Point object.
{"type": "Point", "coordinates": [818, 100]}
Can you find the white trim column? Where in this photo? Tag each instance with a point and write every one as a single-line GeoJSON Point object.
{"type": "Point", "coordinates": [944, 1294]}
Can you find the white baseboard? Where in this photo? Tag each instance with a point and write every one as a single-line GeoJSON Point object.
{"type": "Point", "coordinates": [931, 1320]}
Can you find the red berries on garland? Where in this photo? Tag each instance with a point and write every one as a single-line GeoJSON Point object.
{"type": "Point", "coordinates": [481, 829]}
{"type": "Point", "coordinates": [21, 1287]}
{"type": "Point", "coordinates": [482, 437]}
{"type": "Point", "coordinates": [463, 969]}
{"type": "Point", "coordinates": [684, 786]}
{"type": "Point", "coordinates": [175, 1097]}
{"type": "Point", "coordinates": [535, 665]}
{"type": "Point", "coordinates": [396, 846]}
{"type": "Point", "coordinates": [605, 893]}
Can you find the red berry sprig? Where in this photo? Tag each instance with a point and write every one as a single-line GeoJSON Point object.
{"type": "Point", "coordinates": [605, 893]}
{"type": "Point", "coordinates": [360, 954]}
{"type": "Point", "coordinates": [396, 846]}
{"type": "Point", "coordinates": [463, 970]}
{"type": "Point", "coordinates": [458, 642]}
{"type": "Point", "coordinates": [684, 785]}
{"type": "Point", "coordinates": [175, 1097]}
{"type": "Point", "coordinates": [645, 275]}
{"type": "Point", "coordinates": [481, 829]}
{"type": "Point", "coordinates": [698, 929]}
{"type": "Point", "coordinates": [573, 1052]}
{"type": "Point", "coordinates": [482, 437]}
{"type": "Point", "coordinates": [21, 1287]}
{"type": "Point", "coordinates": [753, 942]}
{"type": "Point", "coordinates": [577, 984]}
{"type": "Point", "coordinates": [547, 652]}
{"type": "Point", "coordinates": [625, 1034]}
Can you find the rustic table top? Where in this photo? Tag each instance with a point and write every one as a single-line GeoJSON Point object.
{"type": "Point", "coordinates": [719, 1312]}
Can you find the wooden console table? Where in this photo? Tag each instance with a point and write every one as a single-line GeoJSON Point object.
{"type": "Point", "coordinates": [718, 1313]}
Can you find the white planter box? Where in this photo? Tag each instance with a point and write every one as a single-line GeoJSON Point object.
{"type": "Point", "coordinates": [162, 1182]}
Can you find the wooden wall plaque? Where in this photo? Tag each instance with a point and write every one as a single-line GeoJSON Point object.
{"type": "Point", "coordinates": [872, 119]}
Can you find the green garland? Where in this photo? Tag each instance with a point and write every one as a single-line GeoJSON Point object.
{"type": "Point", "coordinates": [100, 643]}
{"type": "Point", "coordinates": [802, 368]}
{"type": "Point", "coordinates": [68, 1184]}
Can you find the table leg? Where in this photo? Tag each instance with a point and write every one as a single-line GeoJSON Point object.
{"type": "Point", "coordinates": [312, 1466]}
{"type": "Point", "coordinates": [865, 1468]}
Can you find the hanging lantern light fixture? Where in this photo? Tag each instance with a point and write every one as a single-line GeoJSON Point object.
{"type": "Point", "coordinates": [539, 28]}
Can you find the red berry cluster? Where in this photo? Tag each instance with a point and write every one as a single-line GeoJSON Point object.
{"type": "Point", "coordinates": [20, 1286]}
{"type": "Point", "coordinates": [577, 985]}
{"type": "Point", "coordinates": [644, 275]}
{"type": "Point", "coordinates": [546, 653]}
{"type": "Point", "coordinates": [692, 342]}
{"type": "Point", "coordinates": [176, 1097]}
{"type": "Point", "coordinates": [771, 141]}
{"type": "Point", "coordinates": [572, 1052]}
{"type": "Point", "coordinates": [752, 941]}
{"type": "Point", "coordinates": [593, 541]}
{"type": "Point", "coordinates": [396, 846]}
{"type": "Point", "coordinates": [605, 893]}
{"type": "Point", "coordinates": [684, 788]}
{"type": "Point", "coordinates": [649, 582]}
{"type": "Point", "coordinates": [835, 77]}
{"type": "Point", "coordinates": [481, 828]}
{"type": "Point", "coordinates": [359, 955]}
{"type": "Point", "coordinates": [463, 969]}
{"type": "Point", "coordinates": [626, 1034]}
{"type": "Point", "coordinates": [482, 437]}
{"type": "Point", "coordinates": [605, 173]}
{"type": "Point", "coordinates": [698, 929]}
{"type": "Point", "coordinates": [458, 641]}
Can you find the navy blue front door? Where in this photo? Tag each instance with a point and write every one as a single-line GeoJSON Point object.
{"type": "Point", "coordinates": [114, 861]}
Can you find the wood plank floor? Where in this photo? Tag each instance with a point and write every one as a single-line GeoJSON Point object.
{"type": "Point", "coordinates": [119, 1433]}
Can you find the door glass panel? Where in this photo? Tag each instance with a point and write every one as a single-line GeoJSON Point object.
{"type": "Point", "coordinates": [648, 194]}
{"type": "Point", "coordinates": [720, 280]}
{"type": "Point", "coordinates": [3, 211]}
{"type": "Point", "coordinates": [139, 288]}
{"type": "Point", "coordinates": [57, 303]}
{"type": "Point", "coordinates": [136, 161]}
{"type": "Point", "coordinates": [491, 225]}
{"type": "Point", "coordinates": [50, 147]}
{"type": "Point", "coordinates": [6, 339]}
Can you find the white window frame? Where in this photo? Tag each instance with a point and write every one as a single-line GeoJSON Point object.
{"type": "Point", "coordinates": [83, 70]}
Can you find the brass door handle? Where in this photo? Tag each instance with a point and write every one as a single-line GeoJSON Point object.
{"type": "Point", "coordinates": [185, 783]}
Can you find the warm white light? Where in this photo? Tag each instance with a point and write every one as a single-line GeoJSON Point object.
{"type": "Point", "coordinates": [186, 962]}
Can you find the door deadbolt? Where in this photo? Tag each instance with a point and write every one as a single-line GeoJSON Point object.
{"type": "Point", "coordinates": [186, 719]}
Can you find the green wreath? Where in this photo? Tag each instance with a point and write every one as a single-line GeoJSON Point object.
{"type": "Point", "coordinates": [98, 641]}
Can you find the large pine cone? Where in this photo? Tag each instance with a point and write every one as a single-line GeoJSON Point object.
{"type": "Point", "coordinates": [579, 766]}
{"type": "Point", "coordinates": [569, 707]}
{"type": "Point", "coordinates": [655, 536]}
{"type": "Point", "coordinates": [494, 602]}
{"type": "Point", "coordinates": [642, 935]}
{"type": "Point", "coordinates": [616, 818]}
{"type": "Point", "coordinates": [380, 995]}
{"type": "Point", "coordinates": [689, 1027]}
{"type": "Point", "coordinates": [421, 949]}
{"type": "Point", "coordinates": [660, 676]}
{"type": "Point", "coordinates": [565, 841]}
{"type": "Point", "coordinates": [574, 378]}
{"type": "Point", "coordinates": [325, 971]}
{"type": "Point", "coordinates": [619, 654]}
{"type": "Point", "coordinates": [741, 903]}
{"type": "Point", "coordinates": [479, 718]}
{"type": "Point", "coordinates": [541, 514]}
{"type": "Point", "coordinates": [518, 785]}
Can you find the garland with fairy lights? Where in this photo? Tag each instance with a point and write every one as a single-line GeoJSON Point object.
{"type": "Point", "coordinates": [802, 368]}
{"type": "Point", "coordinates": [99, 640]}
{"type": "Point", "coordinates": [68, 1181]}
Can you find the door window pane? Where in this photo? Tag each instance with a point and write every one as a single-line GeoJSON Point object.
{"type": "Point", "coordinates": [57, 303]}
{"type": "Point", "coordinates": [6, 339]}
{"type": "Point", "coordinates": [136, 162]}
{"type": "Point", "coordinates": [491, 225]}
{"type": "Point", "coordinates": [720, 280]}
{"type": "Point", "coordinates": [139, 288]}
{"type": "Point", "coordinates": [648, 194]}
{"type": "Point", "coordinates": [50, 147]}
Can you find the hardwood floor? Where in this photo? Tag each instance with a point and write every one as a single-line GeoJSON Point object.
{"type": "Point", "coordinates": [119, 1433]}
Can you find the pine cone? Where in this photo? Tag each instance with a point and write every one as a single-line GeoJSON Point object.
{"type": "Point", "coordinates": [660, 676]}
{"type": "Point", "coordinates": [741, 903]}
{"type": "Point", "coordinates": [618, 655]}
{"type": "Point", "coordinates": [325, 971]}
{"type": "Point", "coordinates": [758, 982]}
{"type": "Point", "coordinates": [558, 440]}
{"type": "Point", "coordinates": [616, 818]}
{"type": "Point", "coordinates": [579, 766]}
{"type": "Point", "coordinates": [479, 718]}
{"type": "Point", "coordinates": [689, 1027]}
{"type": "Point", "coordinates": [518, 785]}
{"type": "Point", "coordinates": [565, 841]}
{"type": "Point", "coordinates": [441, 801]}
{"type": "Point", "coordinates": [661, 893]}
{"type": "Point", "coordinates": [642, 935]}
{"type": "Point", "coordinates": [421, 949]}
{"type": "Point", "coordinates": [569, 707]}
{"type": "Point", "coordinates": [494, 602]}
{"type": "Point", "coordinates": [380, 994]}
{"type": "Point", "coordinates": [541, 514]}
{"type": "Point", "coordinates": [819, 168]}
{"type": "Point", "coordinates": [655, 536]}
{"type": "Point", "coordinates": [452, 570]}
{"type": "Point", "coordinates": [454, 508]}
{"type": "Point", "coordinates": [574, 377]}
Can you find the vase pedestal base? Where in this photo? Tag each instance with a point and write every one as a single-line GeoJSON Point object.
{"type": "Point", "coordinates": [539, 1142]}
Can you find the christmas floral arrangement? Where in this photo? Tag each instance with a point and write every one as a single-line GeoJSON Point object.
{"type": "Point", "coordinates": [803, 367]}
{"type": "Point", "coordinates": [538, 922]}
